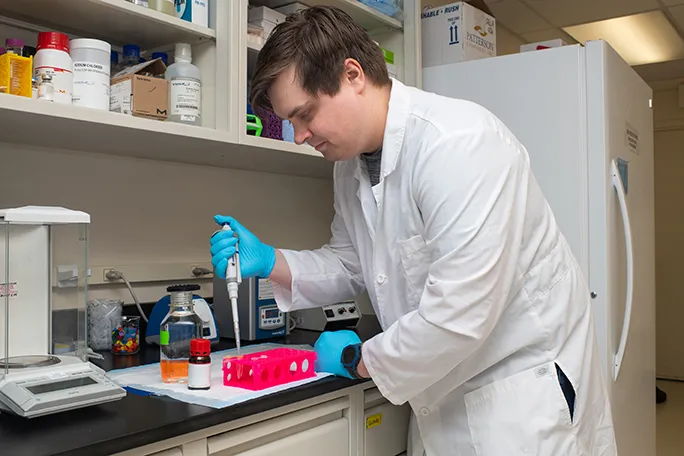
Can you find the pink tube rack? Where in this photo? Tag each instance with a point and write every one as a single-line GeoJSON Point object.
{"type": "Point", "coordinates": [261, 370]}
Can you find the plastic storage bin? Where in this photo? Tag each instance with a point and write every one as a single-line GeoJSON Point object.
{"type": "Point", "coordinates": [273, 126]}
{"type": "Point", "coordinates": [261, 370]}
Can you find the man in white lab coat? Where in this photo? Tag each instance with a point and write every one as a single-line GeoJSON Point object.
{"type": "Point", "coordinates": [486, 318]}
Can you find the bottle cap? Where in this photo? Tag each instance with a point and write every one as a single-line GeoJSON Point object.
{"type": "Point", "coordinates": [183, 52]}
{"type": "Point", "coordinates": [53, 40]}
{"type": "Point", "coordinates": [131, 50]}
{"type": "Point", "coordinates": [200, 347]}
{"type": "Point", "coordinates": [114, 57]}
{"type": "Point", "coordinates": [29, 51]}
{"type": "Point", "coordinates": [89, 43]}
{"type": "Point", "coordinates": [2, 50]}
{"type": "Point", "coordinates": [164, 56]}
{"type": "Point", "coordinates": [14, 42]}
{"type": "Point", "coordinates": [182, 288]}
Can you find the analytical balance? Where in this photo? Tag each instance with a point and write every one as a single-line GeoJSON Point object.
{"type": "Point", "coordinates": [43, 265]}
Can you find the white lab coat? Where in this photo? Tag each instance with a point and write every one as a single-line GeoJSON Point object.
{"type": "Point", "coordinates": [475, 287]}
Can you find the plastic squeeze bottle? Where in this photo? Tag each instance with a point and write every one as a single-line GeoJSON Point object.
{"type": "Point", "coordinates": [185, 88]}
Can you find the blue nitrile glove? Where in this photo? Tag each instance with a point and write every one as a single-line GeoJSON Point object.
{"type": "Point", "coordinates": [329, 348]}
{"type": "Point", "coordinates": [256, 258]}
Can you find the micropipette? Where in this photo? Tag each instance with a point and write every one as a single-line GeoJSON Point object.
{"type": "Point", "coordinates": [233, 279]}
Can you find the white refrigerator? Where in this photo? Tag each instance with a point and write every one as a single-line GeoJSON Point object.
{"type": "Point", "coordinates": [585, 118]}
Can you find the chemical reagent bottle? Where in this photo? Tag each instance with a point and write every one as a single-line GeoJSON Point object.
{"type": "Point", "coordinates": [199, 367]}
{"type": "Point", "coordinates": [180, 326]}
{"type": "Point", "coordinates": [14, 46]}
{"type": "Point", "coordinates": [131, 56]}
{"type": "Point", "coordinates": [185, 88]}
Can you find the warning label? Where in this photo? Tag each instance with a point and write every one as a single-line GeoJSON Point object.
{"type": "Point", "coordinates": [632, 139]}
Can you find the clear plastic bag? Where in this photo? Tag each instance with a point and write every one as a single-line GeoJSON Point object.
{"type": "Point", "coordinates": [392, 8]}
{"type": "Point", "coordinates": [100, 312]}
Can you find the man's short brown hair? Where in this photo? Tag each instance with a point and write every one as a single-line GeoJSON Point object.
{"type": "Point", "coordinates": [316, 41]}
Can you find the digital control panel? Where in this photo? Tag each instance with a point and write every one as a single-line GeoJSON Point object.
{"type": "Point", "coordinates": [341, 311]}
{"type": "Point", "coordinates": [341, 315]}
{"type": "Point", "coordinates": [270, 317]}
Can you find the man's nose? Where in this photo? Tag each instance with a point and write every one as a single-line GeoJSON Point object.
{"type": "Point", "coordinates": [302, 135]}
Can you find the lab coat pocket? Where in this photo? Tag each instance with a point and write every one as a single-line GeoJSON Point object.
{"type": "Point", "coordinates": [415, 261]}
{"type": "Point", "coordinates": [526, 414]}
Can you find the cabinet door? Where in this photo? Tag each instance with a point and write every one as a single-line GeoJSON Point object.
{"type": "Point", "coordinates": [330, 438]}
{"type": "Point", "coordinates": [302, 432]}
{"type": "Point", "coordinates": [177, 451]}
{"type": "Point", "coordinates": [385, 426]}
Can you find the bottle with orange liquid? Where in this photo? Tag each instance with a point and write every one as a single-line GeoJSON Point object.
{"type": "Point", "coordinates": [178, 328]}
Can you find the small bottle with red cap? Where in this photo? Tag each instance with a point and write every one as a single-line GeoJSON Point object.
{"type": "Point", "coordinates": [199, 365]}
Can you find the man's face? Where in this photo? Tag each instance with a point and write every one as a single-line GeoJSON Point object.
{"type": "Point", "coordinates": [334, 126]}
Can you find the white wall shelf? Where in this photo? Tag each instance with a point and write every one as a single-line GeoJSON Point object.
{"type": "Point", "coordinates": [115, 21]}
{"type": "Point", "coordinates": [224, 58]}
{"type": "Point", "coordinates": [274, 144]}
{"type": "Point", "coordinates": [55, 126]}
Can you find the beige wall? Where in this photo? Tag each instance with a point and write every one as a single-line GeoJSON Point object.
{"type": "Point", "coordinates": [149, 212]}
{"type": "Point", "coordinates": [669, 225]}
{"type": "Point", "coordinates": [507, 42]}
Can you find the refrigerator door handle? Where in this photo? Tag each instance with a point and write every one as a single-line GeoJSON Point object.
{"type": "Point", "coordinates": [620, 189]}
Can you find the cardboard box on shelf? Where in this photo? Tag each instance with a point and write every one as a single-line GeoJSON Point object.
{"type": "Point", "coordinates": [291, 8]}
{"type": "Point", "coordinates": [457, 32]}
{"type": "Point", "coordinates": [135, 92]}
{"type": "Point", "coordinates": [265, 18]}
{"type": "Point", "coordinates": [542, 45]}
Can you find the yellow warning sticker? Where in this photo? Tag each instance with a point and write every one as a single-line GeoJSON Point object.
{"type": "Point", "coordinates": [373, 421]}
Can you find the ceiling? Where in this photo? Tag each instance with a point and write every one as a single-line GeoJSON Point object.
{"type": "Point", "coordinates": [540, 20]}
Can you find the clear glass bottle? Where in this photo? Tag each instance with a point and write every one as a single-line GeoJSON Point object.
{"type": "Point", "coordinates": [14, 46]}
{"type": "Point", "coordinates": [179, 327]}
{"type": "Point", "coordinates": [131, 56]}
{"type": "Point", "coordinates": [46, 88]}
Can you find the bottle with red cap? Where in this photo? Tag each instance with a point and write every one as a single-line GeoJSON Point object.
{"type": "Point", "coordinates": [53, 58]}
{"type": "Point", "coordinates": [199, 365]}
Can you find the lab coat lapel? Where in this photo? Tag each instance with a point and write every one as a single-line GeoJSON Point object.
{"type": "Point", "coordinates": [366, 198]}
{"type": "Point", "coordinates": [371, 199]}
{"type": "Point", "coordinates": [395, 128]}
{"type": "Point", "coordinates": [392, 143]}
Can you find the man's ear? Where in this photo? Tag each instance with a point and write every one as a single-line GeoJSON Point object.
{"type": "Point", "coordinates": [353, 73]}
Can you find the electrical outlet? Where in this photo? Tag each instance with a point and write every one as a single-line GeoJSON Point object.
{"type": "Point", "coordinates": [147, 273]}
{"type": "Point", "coordinates": [104, 275]}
